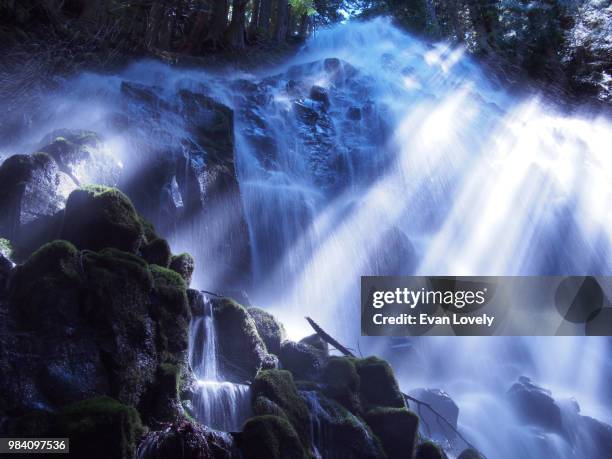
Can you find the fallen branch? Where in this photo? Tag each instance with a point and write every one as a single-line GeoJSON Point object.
{"type": "Point", "coordinates": [330, 340]}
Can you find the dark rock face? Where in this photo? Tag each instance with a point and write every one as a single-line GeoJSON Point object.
{"type": "Point", "coordinates": [271, 437]}
{"type": "Point", "coordinates": [242, 351]}
{"type": "Point", "coordinates": [378, 386]}
{"type": "Point", "coordinates": [443, 404]}
{"type": "Point", "coordinates": [32, 194]}
{"type": "Point", "coordinates": [303, 360]}
{"type": "Point", "coordinates": [535, 405]}
{"type": "Point", "coordinates": [184, 264]}
{"type": "Point", "coordinates": [342, 382]}
{"type": "Point", "coordinates": [317, 342]}
{"type": "Point", "coordinates": [270, 330]}
{"type": "Point", "coordinates": [429, 450]}
{"type": "Point", "coordinates": [157, 252]}
{"type": "Point", "coordinates": [396, 428]}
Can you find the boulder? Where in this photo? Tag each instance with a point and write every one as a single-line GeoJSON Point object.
{"type": "Point", "coordinates": [470, 453]}
{"type": "Point", "coordinates": [342, 382]}
{"type": "Point", "coordinates": [303, 360]}
{"type": "Point", "coordinates": [184, 264]}
{"type": "Point", "coordinates": [377, 384]}
{"type": "Point", "coordinates": [535, 405]}
{"type": "Point", "coordinates": [317, 342]}
{"type": "Point", "coordinates": [241, 349]}
{"type": "Point", "coordinates": [270, 330]}
{"type": "Point", "coordinates": [187, 440]}
{"type": "Point", "coordinates": [271, 437]}
{"type": "Point", "coordinates": [397, 429]}
{"type": "Point", "coordinates": [278, 387]}
{"type": "Point", "coordinates": [97, 217]}
{"type": "Point", "coordinates": [82, 156]}
{"type": "Point", "coordinates": [33, 191]}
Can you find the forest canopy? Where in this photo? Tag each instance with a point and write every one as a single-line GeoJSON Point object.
{"type": "Point", "coordinates": [565, 42]}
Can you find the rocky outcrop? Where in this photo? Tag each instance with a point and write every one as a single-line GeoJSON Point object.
{"type": "Point", "coordinates": [445, 406]}
{"type": "Point", "coordinates": [271, 331]}
{"type": "Point", "coordinates": [535, 405]}
{"type": "Point", "coordinates": [83, 324]}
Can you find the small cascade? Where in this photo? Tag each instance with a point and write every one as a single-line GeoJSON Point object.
{"type": "Point", "coordinates": [329, 423]}
{"type": "Point", "coordinates": [219, 404]}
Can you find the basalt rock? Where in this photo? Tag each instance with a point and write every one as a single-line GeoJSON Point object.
{"type": "Point", "coordinates": [270, 330]}
{"type": "Point", "coordinates": [241, 349]}
{"type": "Point", "coordinates": [97, 217]}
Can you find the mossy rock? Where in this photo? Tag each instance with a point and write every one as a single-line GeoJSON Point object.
{"type": "Point", "coordinates": [241, 349]}
{"type": "Point", "coordinates": [377, 384]}
{"type": "Point", "coordinates": [303, 360]}
{"type": "Point", "coordinates": [97, 217]}
{"type": "Point", "coordinates": [271, 437]}
{"type": "Point", "coordinates": [278, 386]}
{"type": "Point", "coordinates": [317, 342]}
{"type": "Point", "coordinates": [184, 264]}
{"type": "Point", "coordinates": [46, 286]}
{"type": "Point", "coordinates": [340, 432]}
{"type": "Point", "coordinates": [470, 453]}
{"type": "Point", "coordinates": [157, 252]}
{"type": "Point", "coordinates": [270, 329]}
{"type": "Point", "coordinates": [264, 406]}
{"type": "Point", "coordinates": [342, 382]}
{"type": "Point", "coordinates": [100, 428]}
{"type": "Point", "coordinates": [429, 450]}
{"type": "Point", "coordinates": [396, 428]}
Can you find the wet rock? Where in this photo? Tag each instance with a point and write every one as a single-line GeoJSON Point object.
{"type": "Point", "coordinates": [317, 342]}
{"type": "Point", "coordinates": [339, 433]}
{"type": "Point", "coordinates": [303, 360]}
{"type": "Point", "coordinates": [319, 94]}
{"type": "Point", "coordinates": [377, 384]}
{"type": "Point", "coordinates": [470, 453]}
{"type": "Point", "coordinates": [271, 437]}
{"type": "Point", "coordinates": [342, 382]}
{"type": "Point", "coordinates": [241, 349]}
{"type": "Point", "coordinates": [443, 404]}
{"type": "Point", "coordinates": [33, 191]}
{"type": "Point", "coordinates": [535, 405]}
{"type": "Point", "coordinates": [270, 330]}
{"type": "Point", "coordinates": [196, 303]}
{"type": "Point", "coordinates": [184, 264]}
{"type": "Point", "coordinates": [97, 217]}
{"type": "Point", "coordinates": [278, 387]}
{"type": "Point", "coordinates": [187, 440]}
{"type": "Point", "coordinates": [82, 156]}
{"type": "Point", "coordinates": [397, 429]}
{"type": "Point", "coordinates": [157, 252]}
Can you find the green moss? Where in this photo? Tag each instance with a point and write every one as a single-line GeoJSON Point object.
{"type": "Point", "coordinates": [377, 384]}
{"type": "Point", "coordinates": [100, 428]}
{"type": "Point", "coordinates": [396, 428]}
{"type": "Point", "coordinates": [184, 264]}
{"type": "Point", "coordinates": [6, 249]}
{"type": "Point", "coordinates": [342, 382]}
{"type": "Point", "coordinates": [429, 450]}
{"type": "Point", "coordinates": [37, 286]}
{"type": "Point", "coordinates": [278, 386]}
{"type": "Point", "coordinates": [271, 330]}
{"type": "Point", "coordinates": [271, 437]}
{"type": "Point", "coordinates": [97, 217]}
{"type": "Point", "coordinates": [157, 252]}
{"type": "Point", "coordinates": [264, 406]}
{"type": "Point", "coordinates": [148, 228]}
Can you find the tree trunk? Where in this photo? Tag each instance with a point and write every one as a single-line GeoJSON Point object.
{"type": "Point", "coordinates": [304, 26]}
{"type": "Point", "coordinates": [265, 14]}
{"type": "Point", "coordinates": [282, 20]}
{"type": "Point", "coordinates": [218, 22]}
{"type": "Point", "coordinates": [235, 33]}
{"type": "Point", "coordinates": [254, 19]}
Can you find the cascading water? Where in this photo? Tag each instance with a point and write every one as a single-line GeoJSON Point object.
{"type": "Point", "coordinates": [372, 152]}
{"type": "Point", "coordinates": [218, 404]}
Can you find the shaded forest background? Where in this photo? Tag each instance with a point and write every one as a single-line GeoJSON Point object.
{"type": "Point", "coordinates": [566, 44]}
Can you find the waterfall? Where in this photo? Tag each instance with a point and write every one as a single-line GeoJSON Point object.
{"type": "Point", "coordinates": [218, 404]}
